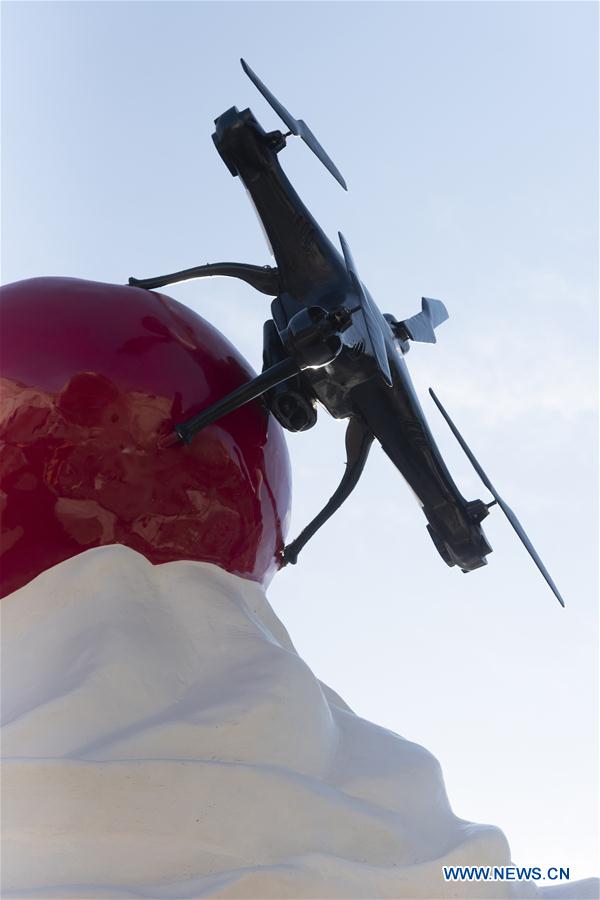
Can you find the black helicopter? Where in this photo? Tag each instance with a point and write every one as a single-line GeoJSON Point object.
{"type": "Point", "coordinates": [327, 341]}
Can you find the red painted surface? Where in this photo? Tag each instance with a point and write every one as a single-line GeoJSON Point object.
{"type": "Point", "coordinates": [92, 375]}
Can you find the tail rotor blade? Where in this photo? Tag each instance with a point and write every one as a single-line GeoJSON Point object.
{"type": "Point", "coordinates": [529, 547]}
{"type": "Point", "coordinates": [279, 108]}
{"type": "Point", "coordinates": [310, 140]}
{"type": "Point", "coordinates": [503, 506]}
{"type": "Point", "coordinates": [372, 324]}
{"type": "Point", "coordinates": [296, 126]}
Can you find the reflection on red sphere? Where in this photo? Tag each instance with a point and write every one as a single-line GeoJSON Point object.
{"type": "Point", "coordinates": [92, 375]}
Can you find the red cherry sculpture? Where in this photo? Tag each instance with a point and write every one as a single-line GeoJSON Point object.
{"type": "Point", "coordinates": [92, 375]}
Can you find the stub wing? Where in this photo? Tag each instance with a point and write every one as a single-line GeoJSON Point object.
{"type": "Point", "coordinates": [371, 316]}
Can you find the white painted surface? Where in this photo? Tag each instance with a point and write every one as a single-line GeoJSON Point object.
{"type": "Point", "coordinates": [162, 738]}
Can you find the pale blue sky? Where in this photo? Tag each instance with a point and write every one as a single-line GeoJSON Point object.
{"type": "Point", "coordinates": [467, 135]}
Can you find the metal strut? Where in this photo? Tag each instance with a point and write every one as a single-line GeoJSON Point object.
{"type": "Point", "coordinates": [358, 444]}
{"type": "Point", "coordinates": [262, 278]}
{"type": "Point", "coordinates": [185, 431]}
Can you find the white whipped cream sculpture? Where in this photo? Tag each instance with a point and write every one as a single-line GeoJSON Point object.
{"type": "Point", "coordinates": [164, 739]}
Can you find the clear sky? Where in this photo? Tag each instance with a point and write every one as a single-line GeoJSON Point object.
{"type": "Point", "coordinates": [467, 133]}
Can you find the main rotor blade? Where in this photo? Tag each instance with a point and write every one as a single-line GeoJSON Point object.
{"type": "Point", "coordinates": [296, 126]}
{"type": "Point", "coordinates": [372, 324]}
{"type": "Point", "coordinates": [503, 506]}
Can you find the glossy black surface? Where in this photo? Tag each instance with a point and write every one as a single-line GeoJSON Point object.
{"type": "Point", "coordinates": [312, 272]}
{"type": "Point", "coordinates": [350, 356]}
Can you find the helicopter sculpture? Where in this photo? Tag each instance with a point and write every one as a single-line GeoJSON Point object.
{"type": "Point", "coordinates": [327, 341]}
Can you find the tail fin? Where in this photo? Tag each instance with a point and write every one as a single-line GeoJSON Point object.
{"type": "Point", "coordinates": [421, 327]}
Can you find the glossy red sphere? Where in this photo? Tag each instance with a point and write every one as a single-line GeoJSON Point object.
{"type": "Point", "coordinates": [92, 375]}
